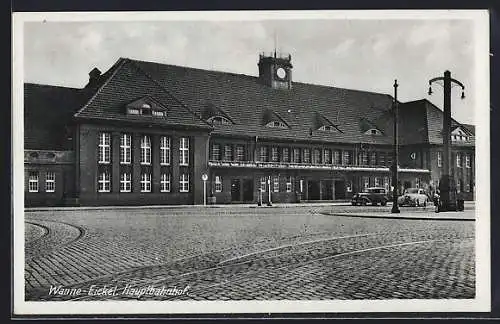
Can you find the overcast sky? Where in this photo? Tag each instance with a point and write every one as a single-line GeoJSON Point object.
{"type": "Point", "coordinates": [355, 54]}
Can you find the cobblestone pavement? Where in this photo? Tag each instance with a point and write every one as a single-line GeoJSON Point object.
{"type": "Point", "coordinates": [246, 254]}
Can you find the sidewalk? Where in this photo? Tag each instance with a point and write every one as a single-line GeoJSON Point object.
{"type": "Point", "coordinates": [426, 214]}
{"type": "Point", "coordinates": [404, 213]}
{"type": "Point", "coordinates": [254, 205]}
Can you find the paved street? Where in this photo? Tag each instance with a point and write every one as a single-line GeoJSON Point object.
{"type": "Point", "coordinates": [243, 253]}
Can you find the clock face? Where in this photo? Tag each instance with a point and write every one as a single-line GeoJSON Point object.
{"type": "Point", "coordinates": [281, 73]}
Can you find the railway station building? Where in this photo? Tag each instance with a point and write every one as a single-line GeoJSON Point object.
{"type": "Point", "coordinates": [144, 133]}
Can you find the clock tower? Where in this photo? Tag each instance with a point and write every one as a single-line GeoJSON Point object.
{"type": "Point", "coordinates": [275, 70]}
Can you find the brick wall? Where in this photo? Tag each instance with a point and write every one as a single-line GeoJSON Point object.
{"type": "Point", "coordinates": [88, 166]}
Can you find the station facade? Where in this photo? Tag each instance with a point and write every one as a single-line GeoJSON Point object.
{"type": "Point", "coordinates": [144, 133]}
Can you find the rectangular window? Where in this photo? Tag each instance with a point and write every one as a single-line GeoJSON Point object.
{"type": "Point", "coordinates": [316, 156]}
{"type": "Point", "coordinates": [33, 181]}
{"type": "Point", "coordinates": [348, 186]}
{"type": "Point", "coordinates": [327, 158]}
{"type": "Point", "coordinates": [50, 182]}
{"type": "Point", "coordinates": [184, 183]}
{"type": "Point", "coordinates": [346, 158]}
{"type": "Point", "coordinates": [216, 152]}
{"type": "Point", "coordinates": [158, 113]}
{"type": "Point", "coordinates": [289, 181]}
{"type": "Point", "coordinates": [125, 182]}
{"type": "Point", "coordinates": [274, 154]}
{"type": "Point", "coordinates": [263, 184]}
{"type": "Point", "coordinates": [467, 161]}
{"type": "Point", "coordinates": [165, 150]}
{"type": "Point", "coordinates": [263, 154]}
{"type": "Point", "coordinates": [104, 154]}
{"type": "Point", "coordinates": [336, 157]}
{"type": "Point", "coordinates": [364, 158]}
{"type": "Point", "coordinates": [389, 160]}
{"type": "Point", "coordinates": [285, 157]}
{"type": "Point", "coordinates": [184, 151]}
{"type": "Point", "coordinates": [145, 150]}
{"type": "Point", "coordinates": [104, 182]}
{"type": "Point", "coordinates": [459, 185]}
{"type": "Point", "coordinates": [377, 182]}
{"type": "Point", "coordinates": [386, 183]}
{"type": "Point", "coordinates": [467, 187]}
{"type": "Point", "coordinates": [381, 159]}
{"type": "Point", "coordinates": [218, 184]}
{"type": "Point", "coordinates": [440, 159]}
{"type": "Point", "coordinates": [125, 149]}
{"type": "Point", "coordinates": [276, 184]}
{"type": "Point", "coordinates": [459, 160]}
{"type": "Point", "coordinates": [366, 182]}
{"type": "Point", "coordinates": [417, 183]}
{"type": "Point", "coordinates": [145, 182]}
{"type": "Point", "coordinates": [240, 153]}
{"type": "Point", "coordinates": [165, 181]}
{"type": "Point", "coordinates": [307, 155]}
{"type": "Point", "coordinates": [228, 153]}
{"type": "Point", "coordinates": [296, 155]}
{"type": "Point", "coordinates": [373, 158]}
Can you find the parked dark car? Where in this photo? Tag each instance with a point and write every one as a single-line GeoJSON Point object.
{"type": "Point", "coordinates": [371, 196]}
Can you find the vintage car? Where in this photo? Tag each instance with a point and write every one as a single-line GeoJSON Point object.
{"type": "Point", "coordinates": [413, 197]}
{"type": "Point", "coordinates": [372, 196]}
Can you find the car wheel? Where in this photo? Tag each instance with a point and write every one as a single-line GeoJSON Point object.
{"type": "Point", "coordinates": [383, 203]}
{"type": "Point", "coordinates": [363, 202]}
{"type": "Point", "coordinates": [353, 203]}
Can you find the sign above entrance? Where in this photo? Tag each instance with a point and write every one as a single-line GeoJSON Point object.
{"type": "Point", "coordinates": [204, 177]}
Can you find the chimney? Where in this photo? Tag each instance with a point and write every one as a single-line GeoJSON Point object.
{"type": "Point", "coordinates": [94, 76]}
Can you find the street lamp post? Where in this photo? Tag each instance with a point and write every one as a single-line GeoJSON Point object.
{"type": "Point", "coordinates": [447, 187]}
{"type": "Point", "coordinates": [269, 203]}
{"type": "Point", "coordinates": [395, 159]}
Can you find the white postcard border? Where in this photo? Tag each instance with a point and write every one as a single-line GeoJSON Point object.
{"type": "Point", "coordinates": [481, 303]}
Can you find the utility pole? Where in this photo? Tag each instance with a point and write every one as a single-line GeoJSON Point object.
{"type": "Point", "coordinates": [395, 158]}
{"type": "Point", "coordinates": [447, 186]}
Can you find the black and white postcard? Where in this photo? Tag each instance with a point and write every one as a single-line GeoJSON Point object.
{"type": "Point", "coordinates": [251, 162]}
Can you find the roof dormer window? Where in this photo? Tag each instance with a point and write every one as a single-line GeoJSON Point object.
{"type": "Point", "coordinates": [322, 123]}
{"type": "Point", "coordinates": [373, 131]}
{"type": "Point", "coordinates": [219, 120]}
{"type": "Point", "coordinates": [368, 127]}
{"type": "Point", "coordinates": [146, 106]}
{"type": "Point", "coordinates": [328, 128]}
{"type": "Point", "coordinates": [215, 115]}
{"type": "Point", "coordinates": [273, 120]}
{"type": "Point", "coordinates": [276, 124]}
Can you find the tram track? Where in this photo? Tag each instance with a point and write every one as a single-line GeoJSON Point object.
{"type": "Point", "coordinates": [236, 269]}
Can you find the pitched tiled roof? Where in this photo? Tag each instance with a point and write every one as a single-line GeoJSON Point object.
{"type": "Point", "coordinates": [127, 84]}
{"type": "Point", "coordinates": [413, 124]}
{"type": "Point", "coordinates": [47, 112]}
{"type": "Point", "coordinates": [422, 122]}
{"type": "Point", "coordinates": [246, 100]}
{"type": "Point", "coordinates": [470, 128]}
{"type": "Point", "coordinates": [192, 95]}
